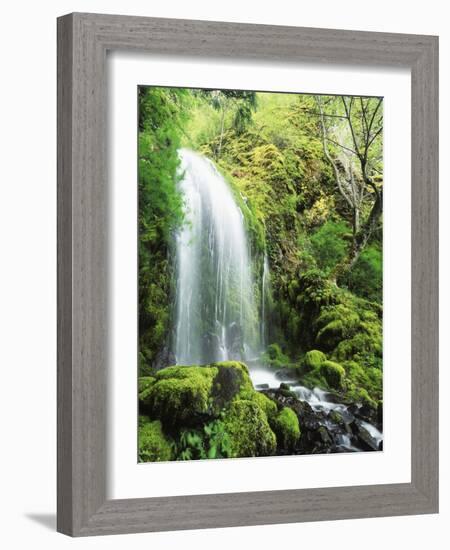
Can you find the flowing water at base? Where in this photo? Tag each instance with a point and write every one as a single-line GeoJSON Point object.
{"type": "Point", "coordinates": [320, 401]}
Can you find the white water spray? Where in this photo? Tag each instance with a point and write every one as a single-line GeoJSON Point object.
{"type": "Point", "coordinates": [216, 317]}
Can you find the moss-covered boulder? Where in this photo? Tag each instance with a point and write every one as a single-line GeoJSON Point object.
{"type": "Point", "coordinates": [154, 445]}
{"type": "Point", "coordinates": [333, 373]}
{"type": "Point", "coordinates": [179, 395]}
{"type": "Point", "coordinates": [334, 324]}
{"type": "Point", "coordinates": [364, 384]}
{"type": "Point", "coordinates": [286, 427]}
{"type": "Point", "coordinates": [266, 404]}
{"type": "Point", "coordinates": [248, 430]}
{"type": "Point", "coordinates": [182, 396]}
{"type": "Point", "coordinates": [232, 377]}
{"type": "Point", "coordinates": [313, 359]}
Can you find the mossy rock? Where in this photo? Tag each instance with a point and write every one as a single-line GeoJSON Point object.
{"type": "Point", "coordinates": [335, 324]}
{"type": "Point", "coordinates": [154, 445]}
{"type": "Point", "coordinates": [248, 430]}
{"type": "Point", "coordinates": [275, 357]}
{"type": "Point", "coordinates": [286, 427]}
{"type": "Point", "coordinates": [364, 384]}
{"type": "Point", "coordinates": [361, 396]}
{"type": "Point", "coordinates": [313, 359]}
{"type": "Point", "coordinates": [265, 403]}
{"type": "Point", "coordinates": [179, 395]}
{"type": "Point", "coordinates": [187, 396]}
{"type": "Point", "coordinates": [360, 345]}
{"type": "Point", "coordinates": [232, 378]}
{"type": "Point", "coordinates": [334, 374]}
{"type": "Point", "coordinates": [144, 385]}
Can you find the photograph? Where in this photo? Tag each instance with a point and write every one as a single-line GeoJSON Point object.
{"type": "Point", "coordinates": [260, 274]}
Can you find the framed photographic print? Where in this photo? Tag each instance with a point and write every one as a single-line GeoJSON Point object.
{"type": "Point", "coordinates": [247, 274]}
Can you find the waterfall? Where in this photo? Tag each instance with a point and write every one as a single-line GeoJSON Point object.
{"type": "Point", "coordinates": [264, 294]}
{"type": "Point", "coordinates": [216, 317]}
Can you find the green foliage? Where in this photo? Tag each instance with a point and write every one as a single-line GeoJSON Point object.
{"type": "Point", "coordinates": [190, 445]}
{"type": "Point", "coordinates": [162, 111]}
{"type": "Point", "coordinates": [154, 446]}
{"type": "Point", "coordinates": [286, 427]}
{"type": "Point", "coordinates": [366, 276]}
{"type": "Point", "coordinates": [330, 244]}
{"type": "Point", "coordinates": [219, 442]}
{"type": "Point", "coordinates": [209, 441]}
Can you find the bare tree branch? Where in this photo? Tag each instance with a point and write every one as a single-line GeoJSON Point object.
{"type": "Point", "coordinates": [327, 153]}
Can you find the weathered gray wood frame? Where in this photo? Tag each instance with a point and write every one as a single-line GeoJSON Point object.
{"type": "Point", "coordinates": [83, 40]}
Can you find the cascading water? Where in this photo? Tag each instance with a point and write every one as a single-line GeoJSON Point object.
{"type": "Point", "coordinates": [216, 315]}
{"type": "Point", "coordinates": [264, 292]}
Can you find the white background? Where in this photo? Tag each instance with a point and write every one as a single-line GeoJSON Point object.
{"type": "Point", "coordinates": [127, 479]}
{"type": "Point", "coordinates": [28, 271]}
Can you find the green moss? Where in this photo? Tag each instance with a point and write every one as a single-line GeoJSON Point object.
{"type": "Point", "coordinates": [265, 403]}
{"type": "Point", "coordinates": [362, 344]}
{"type": "Point", "coordinates": [248, 430]}
{"type": "Point", "coordinates": [180, 394]}
{"type": "Point", "coordinates": [275, 357]}
{"type": "Point", "coordinates": [333, 373]}
{"type": "Point", "coordinates": [335, 324]}
{"type": "Point", "coordinates": [144, 385]}
{"type": "Point", "coordinates": [186, 396]}
{"type": "Point", "coordinates": [154, 446]}
{"type": "Point", "coordinates": [313, 359]}
{"type": "Point", "coordinates": [365, 384]}
{"type": "Point", "coordinates": [286, 427]}
{"type": "Point", "coordinates": [238, 370]}
{"type": "Point", "coordinates": [361, 395]}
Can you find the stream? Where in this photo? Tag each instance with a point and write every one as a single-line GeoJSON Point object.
{"type": "Point", "coordinates": [322, 404]}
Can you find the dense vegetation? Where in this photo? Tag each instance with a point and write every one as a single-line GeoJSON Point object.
{"type": "Point", "coordinates": [307, 172]}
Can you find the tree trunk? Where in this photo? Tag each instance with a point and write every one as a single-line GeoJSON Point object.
{"type": "Point", "coordinates": [361, 238]}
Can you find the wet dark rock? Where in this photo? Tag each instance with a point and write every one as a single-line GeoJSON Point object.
{"type": "Point", "coordinates": [285, 374]}
{"type": "Point", "coordinates": [337, 418]}
{"type": "Point", "coordinates": [163, 359]}
{"type": "Point", "coordinates": [227, 384]}
{"type": "Point", "coordinates": [380, 413]}
{"type": "Point", "coordinates": [368, 413]}
{"type": "Point", "coordinates": [365, 441]}
{"type": "Point", "coordinates": [285, 391]}
{"type": "Point", "coordinates": [324, 435]}
{"type": "Point", "coordinates": [235, 340]}
{"type": "Point", "coordinates": [211, 344]}
{"type": "Point", "coordinates": [323, 431]}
